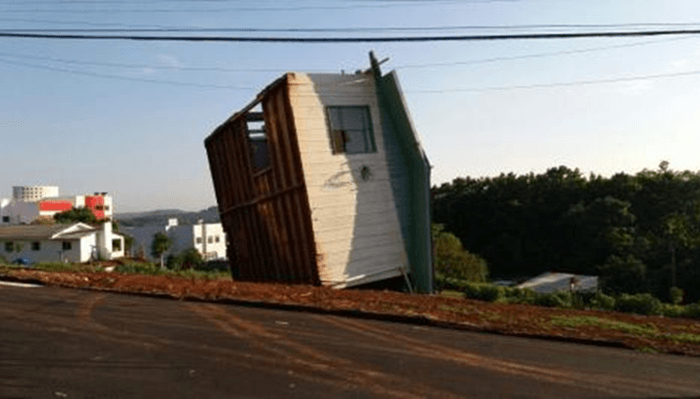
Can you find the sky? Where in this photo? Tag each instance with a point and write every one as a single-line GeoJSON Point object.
{"type": "Point", "coordinates": [130, 117]}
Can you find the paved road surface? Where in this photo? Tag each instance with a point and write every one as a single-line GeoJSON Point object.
{"type": "Point", "coordinates": [60, 343]}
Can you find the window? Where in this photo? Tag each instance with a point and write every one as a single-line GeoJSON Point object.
{"type": "Point", "coordinates": [67, 246]}
{"type": "Point", "coordinates": [216, 238]}
{"type": "Point", "coordinates": [6, 219]}
{"type": "Point", "coordinates": [116, 244]}
{"type": "Point", "coordinates": [199, 240]}
{"type": "Point", "coordinates": [106, 207]}
{"type": "Point", "coordinates": [210, 240]}
{"type": "Point", "coordinates": [36, 246]}
{"type": "Point", "coordinates": [9, 246]}
{"type": "Point", "coordinates": [350, 130]}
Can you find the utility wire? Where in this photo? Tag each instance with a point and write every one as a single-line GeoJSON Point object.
{"type": "Point", "coordinates": [279, 70]}
{"type": "Point", "coordinates": [561, 84]}
{"type": "Point", "coordinates": [524, 36]}
{"type": "Point", "coordinates": [457, 90]}
{"type": "Point", "coordinates": [321, 30]}
{"type": "Point", "coordinates": [539, 55]}
{"type": "Point", "coordinates": [149, 66]}
{"type": "Point", "coordinates": [129, 78]}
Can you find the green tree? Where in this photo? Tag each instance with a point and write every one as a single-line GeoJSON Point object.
{"type": "Point", "coordinates": [83, 215]}
{"type": "Point", "coordinates": [191, 259]}
{"type": "Point", "coordinates": [452, 260]}
{"type": "Point", "coordinates": [161, 243]}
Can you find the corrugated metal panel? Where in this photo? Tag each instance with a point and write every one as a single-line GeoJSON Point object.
{"type": "Point", "coordinates": [265, 213]}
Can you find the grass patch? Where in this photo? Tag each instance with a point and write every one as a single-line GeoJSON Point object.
{"type": "Point", "coordinates": [628, 328]}
{"type": "Point", "coordinates": [641, 330]}
{"type": "Point", "coordinates": [646, 349]}
{"type": "Point", "coordinates": [451, 294]}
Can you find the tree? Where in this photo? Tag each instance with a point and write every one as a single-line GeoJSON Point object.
{"type": "Point", "coordinates": [191, 259]}
{"type": "Point", "coordinates": [161, 243]}
{"type": "Point", "coordinates": [452, 260]}
{"type": "Point", "coordinates": [83, 215]}
{"type": "Point", "coordinates": [128, 243]}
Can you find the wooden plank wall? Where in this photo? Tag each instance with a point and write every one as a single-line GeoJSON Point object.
{"type": "Point", "coordinates": [357, 231]}
{"type": "Point", "coordinates": [265, 214]}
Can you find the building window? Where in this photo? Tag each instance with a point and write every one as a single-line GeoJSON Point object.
{"type": "Point", "coordinates": [106, 207]}
{"type": "Point", "coordinates": [6, 219]}
{"type": "Point", "coordinates": [350, 130]}
{"type": "Point", "coordinates": [9, 246]}
{"type": "Point", "coordinates": [36, 246]}
{"type": "Point", "coordinates": [67, 246]}
{"type": "Point", "coordinates": [216, 238]}
{"type": "Point", "coordinates": [198, 240]}
{"type": "Point", "coordinates": [210, 240]}
{"type": "Point", "coordinates": [116, 245]}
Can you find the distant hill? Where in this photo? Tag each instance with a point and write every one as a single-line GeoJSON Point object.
{"type": "Point", "coordinates": [160, 217]}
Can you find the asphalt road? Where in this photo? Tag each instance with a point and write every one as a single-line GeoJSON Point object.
{"type": "Point", "coordinates": [61, 343]}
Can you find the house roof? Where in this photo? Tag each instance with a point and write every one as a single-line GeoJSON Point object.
{"type": "Point", "coordinates": [551, 282]}
{"type": "Point", "coordinates": [40, 232]}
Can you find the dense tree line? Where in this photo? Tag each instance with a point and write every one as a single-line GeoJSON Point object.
{"type": "Point", "coordinates": [639, 233]}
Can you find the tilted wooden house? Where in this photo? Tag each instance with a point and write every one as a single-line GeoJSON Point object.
{"type": "Point", "coordinates": [322, 180]}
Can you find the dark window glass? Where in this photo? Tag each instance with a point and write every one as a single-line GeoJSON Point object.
{"type": "Point", "coordinates": [350, 130]}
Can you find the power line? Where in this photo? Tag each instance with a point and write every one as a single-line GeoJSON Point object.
{"type": "Point", "coordinates": [128, 78]}
{"type": "Point", "coordinates": [457, 90]}
{"type": "Point", "coordinates": [321, 30]}
{"type": "Point", "coordinates": [229, 9]}
{"type": "Point", "coordinates": [267, 70]}
{"type": "Point", "coordinates": [149, 66]}
{"type": "Point", "coordinates": [524, 36]}
{"type": "Point", "coordinates": [560, 84]}
{"type": "Point", "coordinates": [538, 55]}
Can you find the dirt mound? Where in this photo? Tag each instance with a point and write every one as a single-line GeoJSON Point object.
{"type": "Point", "coordinates": [647, 333]}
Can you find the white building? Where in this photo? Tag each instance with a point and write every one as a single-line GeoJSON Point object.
{"type": "Point", "coordinates": [32, 202]}
{"type": "Point", "coordinates": [77, 242]}
{"type": "Point", "coordinates": [33, 193]}
{"type": "Point", "coordinates": [208, 238]}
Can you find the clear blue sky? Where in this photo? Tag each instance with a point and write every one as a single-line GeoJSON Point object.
{"type": "Point", "coordinates": [84, 127]}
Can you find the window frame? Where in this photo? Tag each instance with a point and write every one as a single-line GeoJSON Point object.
{"type": "Point", "coordinates": [338, 135]}
{"type": "Point", "coordinates": [66, 246]}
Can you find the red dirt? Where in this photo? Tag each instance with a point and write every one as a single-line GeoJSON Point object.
{"type": "Point", "coordinates": [520, 320]}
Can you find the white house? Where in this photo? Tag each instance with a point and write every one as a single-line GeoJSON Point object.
{"type": "Point", "coordinates": [77, 242]}
{"type": "Point", "coordinates": [208, 238]}
{"type": "Point", "coordinates": [322, 180]}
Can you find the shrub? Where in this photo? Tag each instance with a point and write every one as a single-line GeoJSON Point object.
{"type": "Point", "coordinates": [676, 295]}
{"type": "Point", "coordinates": [138, 268]}
{"type": "Point", "coordinates": [4, 261]}
{"type": "Point", "coordinates": [645, 304]}
{"type": "Point", "coordinates": [520, 295]}
{"type": "Point", "coordinates": [560, 299]}
{"type": "Point", "coordinates": [601, 301]}
{"type": "Point", "coordinates": [483, 291]}
{"type": "Point", "coordinates": [692, 311]}
{"type": "Point", "coordinates": [672, 310]}
{"type": "Point", "coordinates": [173, 262]}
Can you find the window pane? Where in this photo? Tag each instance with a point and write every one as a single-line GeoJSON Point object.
{"type": "Point", "coordinates": [353, 118]}
{"type": "Point", "coordinates": [350, 130]}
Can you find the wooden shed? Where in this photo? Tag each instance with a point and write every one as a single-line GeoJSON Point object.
{"type": "Point", "coordinates": [322, 180]}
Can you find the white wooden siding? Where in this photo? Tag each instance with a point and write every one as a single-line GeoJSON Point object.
{"type": "Point", "coordinates": [356, 228]}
